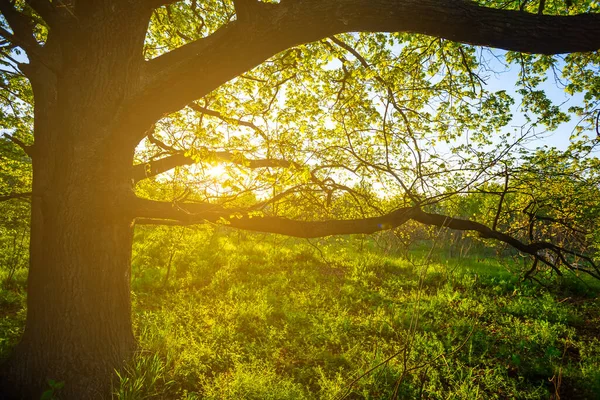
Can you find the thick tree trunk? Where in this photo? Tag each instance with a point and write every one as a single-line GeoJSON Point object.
{"type": "Point", "coordinates": [79, 314]}
{"type": "Point", "coordinates": [78, 327]}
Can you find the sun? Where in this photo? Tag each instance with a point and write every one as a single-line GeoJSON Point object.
{"type": "Point", "coordinates": [215, 171]}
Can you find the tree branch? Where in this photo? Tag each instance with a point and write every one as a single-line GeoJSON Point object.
{"type": "Point", "coordinates": [153, 168]}
{"type": "Point", "coordinates": [25, 195]}
{"type": "Point", "coordinates": [46, 10]}
{"type": "Point", "coordinates": [222, 117]}
{"type": "Point", "coordinates": [156, 167]}
{"type": "Point", "coordinates": [172, 79]}
{"type": "Point", "coordinates": [22, 35]}
{"type": "Point", "coordinates": [541, 7]}
{"type": "Point", "coordinates": [484, 231]}
{"type": "Point", "coordinates": [204, 212]}
{"type": "Point", "coordinates": [26, 148]}
{"type": "Point", "coordinates": [150, 211]}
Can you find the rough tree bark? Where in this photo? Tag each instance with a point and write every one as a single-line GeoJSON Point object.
{"type": "Point", "coordinates": [95, 97]}
{"type": "Point", "coordinates": [78, 327]}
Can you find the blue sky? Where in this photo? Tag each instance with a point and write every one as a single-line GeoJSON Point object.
{"type": "Point", "coordinates": [506, 81]}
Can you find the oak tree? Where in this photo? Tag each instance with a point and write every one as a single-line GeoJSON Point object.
{"type": "Point", "coordinates": [328, 115]}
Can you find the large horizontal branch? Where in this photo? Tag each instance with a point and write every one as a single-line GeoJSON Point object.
{"type": "Point", "coordinates": [203, 212]}
{"type": "Point", "coordinates": [156, 167]}
{"type": "Point", "coordinates": [153, 212]}
{"type": "Point", "coordinates": [175, 79]}
{"type": "Point", "coordinates": [153, 168]}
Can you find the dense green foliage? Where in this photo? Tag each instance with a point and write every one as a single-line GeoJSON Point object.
{"type": "Point", "coordinates": [264, 317]}
{"type": "Point", "coordinates": [361, 124]}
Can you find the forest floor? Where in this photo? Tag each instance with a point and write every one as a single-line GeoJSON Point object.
{"type": "Point", "coordinates": [263, 317]}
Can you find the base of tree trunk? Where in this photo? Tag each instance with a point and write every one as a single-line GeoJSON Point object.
{"type": "Point", "coordinates": [29, 373]}
{"type": "Point", "coordinates": [78, 329]}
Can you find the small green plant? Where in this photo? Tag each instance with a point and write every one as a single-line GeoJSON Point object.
{"type": "Point", "coordinates": [52, 392]}
{"type": "Point", "coordinates": [143, 377]}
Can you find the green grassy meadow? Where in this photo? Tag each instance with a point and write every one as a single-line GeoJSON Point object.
{"type": "Point", "coordinates": [225, 315]}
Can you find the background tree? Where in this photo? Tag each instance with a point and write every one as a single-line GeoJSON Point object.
{"type": "Point", "coordinates": [15, 172]}
{"type": "Point", "coordinates": [342, 120]}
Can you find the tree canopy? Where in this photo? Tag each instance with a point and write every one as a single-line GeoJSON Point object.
{"type": "Point", "coordinates": [370, 129]}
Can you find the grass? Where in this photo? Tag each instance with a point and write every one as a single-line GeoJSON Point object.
{"type": "Point", "coordinates": [12, 310]}
{"type": "Point", "coordinates": [262, 317]}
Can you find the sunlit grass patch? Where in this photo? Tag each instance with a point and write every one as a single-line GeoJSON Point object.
{"type": "Point", "coordinates": [262, 317]}
{"type": "Point", "coordinates": [258, 316]}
